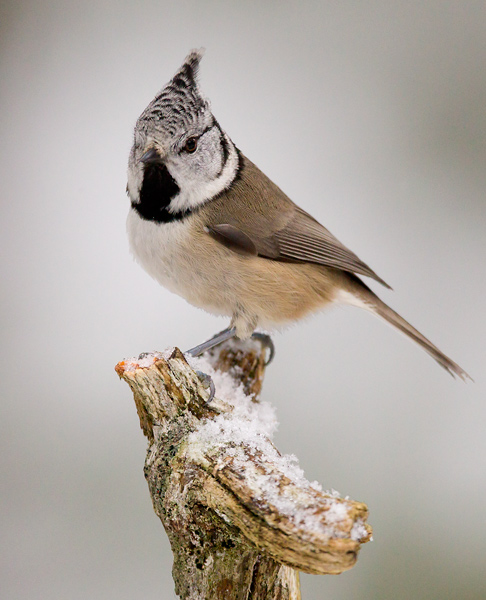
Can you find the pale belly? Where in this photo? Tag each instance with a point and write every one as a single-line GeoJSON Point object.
{"type": "Point", "coordinates": [253, 290]}
{"type": "Point", "coordinates": [168, 253]}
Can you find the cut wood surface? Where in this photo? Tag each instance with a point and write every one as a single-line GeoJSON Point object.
{"type": "Point", "coordinates": [241, 518]}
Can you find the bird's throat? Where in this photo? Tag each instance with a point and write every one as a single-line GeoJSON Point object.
{"type": "Point", "coordinates": [157, 191]}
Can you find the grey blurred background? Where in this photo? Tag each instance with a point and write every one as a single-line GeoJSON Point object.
{"type": "Point", "coordinates": [372, 116]}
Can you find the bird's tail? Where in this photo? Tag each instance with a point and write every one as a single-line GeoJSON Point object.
{"type": "Point", "coordinates": [359, 294]}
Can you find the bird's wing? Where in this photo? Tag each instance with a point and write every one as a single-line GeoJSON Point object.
{"type": "Point", "coordinates": [304, 239]}
{"type": "Point", "coordinates": [255, 217]}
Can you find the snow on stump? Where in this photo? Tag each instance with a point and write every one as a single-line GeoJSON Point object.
{"type": "Point", "coordinates": [241, 518]}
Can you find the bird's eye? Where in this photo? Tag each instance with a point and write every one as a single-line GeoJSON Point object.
{"type": "Point", "coordinates": [191, 145]}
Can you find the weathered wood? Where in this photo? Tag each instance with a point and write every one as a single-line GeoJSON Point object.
{"type": "Point", "coordinates": [242, 521]}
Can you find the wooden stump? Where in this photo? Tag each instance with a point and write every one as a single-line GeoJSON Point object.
{"type": "Point", "coordinates": [241, 518]}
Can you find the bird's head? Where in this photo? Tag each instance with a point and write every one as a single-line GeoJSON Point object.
{"type": "Point", "coordinates": [180, 154]}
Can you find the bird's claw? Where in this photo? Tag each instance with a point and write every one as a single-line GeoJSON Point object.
{"type": "Point", "coordinates": [267, 342]}
{"type": "Point", "coordinates": [207, 383]}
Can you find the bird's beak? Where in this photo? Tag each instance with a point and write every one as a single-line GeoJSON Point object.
{"type": "Point", "coordinates": [151, 157]}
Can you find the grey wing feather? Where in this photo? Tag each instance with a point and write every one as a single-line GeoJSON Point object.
{"type": "Point", "coordinates": [304, 239]}
{"type": "Point", "coordinates": [233, 238]}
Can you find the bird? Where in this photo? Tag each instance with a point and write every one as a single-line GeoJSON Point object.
{"type": "Point", "coordinates": [206, 223]}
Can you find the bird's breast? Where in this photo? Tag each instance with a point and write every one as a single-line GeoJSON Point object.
{"type": "Point", "coordinates": [177, 255]}
{"type": "Point", "coordinates": [158, 247]}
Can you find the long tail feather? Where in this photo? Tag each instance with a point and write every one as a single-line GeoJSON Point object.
{"type": "Point", "coordinates": [359, 294]}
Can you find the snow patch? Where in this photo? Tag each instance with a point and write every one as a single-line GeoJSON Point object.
{"type": "Point", "coordinates": [247, 431]}
{"type": "Point", "coordinates": [145, 360]}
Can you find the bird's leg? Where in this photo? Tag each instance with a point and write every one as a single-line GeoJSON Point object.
{"type": "Point", "coordinates": [217, 339]}
{"type": "Point", "coordinates": [267, 342]}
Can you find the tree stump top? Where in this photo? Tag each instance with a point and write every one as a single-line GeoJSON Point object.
{"type": "Point", "coordinates": [238, 513]}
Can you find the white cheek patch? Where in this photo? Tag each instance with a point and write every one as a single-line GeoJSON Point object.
{"type": "Point", "coordinates": [194, 191]}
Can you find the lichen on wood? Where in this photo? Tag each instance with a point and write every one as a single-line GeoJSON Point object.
{"type": "Point", "coordinates": [241, 518]}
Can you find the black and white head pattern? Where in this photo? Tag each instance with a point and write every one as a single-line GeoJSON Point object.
{"type": "Point", "coordinates": [180, 157]}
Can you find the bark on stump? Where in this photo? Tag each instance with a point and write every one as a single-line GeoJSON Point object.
{"type": "Point", "coordinates": [241, 522]}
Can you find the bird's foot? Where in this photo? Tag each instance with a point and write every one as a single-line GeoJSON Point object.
{"type": "Point", "coordinates": [219, 338]}
{"type": "Point", "coordinates": [208, 384]}
{"type": "Point", "coordinates": [267, 342]}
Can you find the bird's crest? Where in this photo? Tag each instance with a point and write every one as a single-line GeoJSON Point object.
{"type": "Point", "coordinates": [180, 104]}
